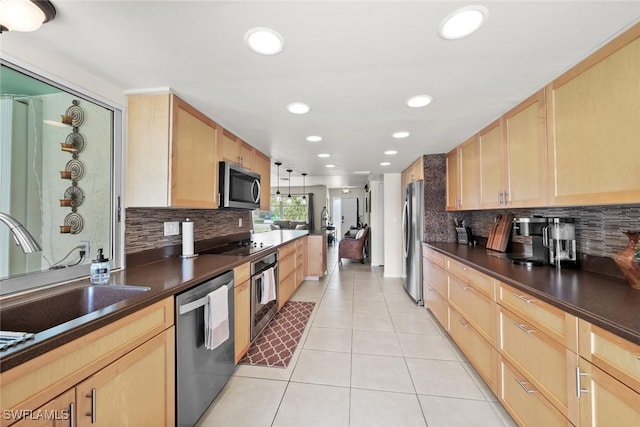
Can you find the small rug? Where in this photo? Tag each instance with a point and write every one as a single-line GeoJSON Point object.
{"type": "Point", "coordinates": [276, 344]}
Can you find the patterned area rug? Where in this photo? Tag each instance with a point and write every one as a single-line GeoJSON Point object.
{"type": "Point", "coordinates": [278, 341]}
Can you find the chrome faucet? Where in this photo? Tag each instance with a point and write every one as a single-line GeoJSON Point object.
{"type": "Point", "coordinates": [20, 234]}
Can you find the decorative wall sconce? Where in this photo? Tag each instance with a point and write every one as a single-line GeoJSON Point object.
{"type": "Point", "coordinates": [74, 169]}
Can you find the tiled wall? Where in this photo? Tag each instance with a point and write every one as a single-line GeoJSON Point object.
{"type": "Point", "coordinates": [599, 229]}
{"type": "Point", "coordinates": [438, 224]}
{"type": "Point", "coordinates": [145, 226]}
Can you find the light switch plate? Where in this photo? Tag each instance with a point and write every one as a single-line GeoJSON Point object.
{"type": "Point", "coordinates": [239, 222]}
{"type": "Point", "coordinates": [171, 228]}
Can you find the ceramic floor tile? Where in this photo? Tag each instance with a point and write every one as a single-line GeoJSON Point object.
{"type": "Point", "coordinates": [338, 294]}
{"type": "Point", "coordinates": [369, 306]}
{"type": "Point", "coordinates": [245, 401]}
{"type": "Point", "coordinates": [449, 412]}
{"type": "Point", "coordinates": [371, 408]}
{"type": "Point", "coordinates": [372, 295]}
{"type": "Point", "coordinates": [426, 347]}
{"type": "Point", "coordinates": [443, 378]}
{"type": "Point", "coordinates": [336, 304]}
{"type": "Point", "coordinates": [503, 414]}
{"type": "Point", "coordinates": [329, 339]}
{"type": "Point", "coordinates": [380, 373]}
{"type": "Point", "coordinates": [313, 405]}
{"type": "Point", "coordinates": [374, 342]}
{"type": "Point", "coordinates": [372, 322]}
{"type": "Point", "coordinates": [482, 385]}
{"type": "Point", "coordinates": [328, 318]}
{"type": "Point", "coordinates": [323, 367]}
{"type": "Point", "coordinates": [413, 323]}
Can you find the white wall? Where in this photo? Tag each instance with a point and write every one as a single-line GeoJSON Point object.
{"type": "Point", "coordinates": [377, 222]}
{"type": "Point", "coordinates": [392, 225]}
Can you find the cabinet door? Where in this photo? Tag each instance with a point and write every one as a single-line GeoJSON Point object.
{"type": "Point", "coordinates": [242, 319]}
{"type": "Point", "coordinates": [453, 180]}
{"type": "Point", "coordinates": [470, 174]}
{"type": "Point", "coordinates": [605, 401]}
{"type": "Point", "coordinates": [526, 146]}
{"type": "Point", "coordinates": [194, 181]}
{"type": "Point", "coordinates": [245, 152]}
{"type": "Point", "coordinates": [262, 166]}
{"type": "Point", "coordinates": [228, 150]}
{"type": "Point", "coordinates": [59, 412]}
{"type": "Point", "coordinates": [137, 390]}
{"type": "Point", "coordinates": [594, 128]}
{"type": "Point", "coordinates": [492, 166]}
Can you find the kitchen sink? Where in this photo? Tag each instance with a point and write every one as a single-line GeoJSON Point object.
{"type": "Point", "coordinates": [44, 313]}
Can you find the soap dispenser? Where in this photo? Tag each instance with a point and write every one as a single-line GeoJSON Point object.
{"type": "Point", "coordinates": [100, 269]}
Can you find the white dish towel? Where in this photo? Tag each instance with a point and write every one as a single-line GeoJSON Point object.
{"type": "Point", "coordinates": [216, 318]}
{"type": "Point", "coordinates": [268, 286]}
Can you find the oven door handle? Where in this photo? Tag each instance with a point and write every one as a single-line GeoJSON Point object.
{"type": "Point", "coordinates": [259, 285]}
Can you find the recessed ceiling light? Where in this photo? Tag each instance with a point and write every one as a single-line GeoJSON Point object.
{"type": "Point", "coordinates": [330, 166]}
{"type": "Point", "coordinates": [391, 152]}
{"type": "Point", "coordinates": [314, 138]}
{"type": "Point", "coordinates": [324, 155]}
{"type": "Point", "coordinates": [361, 172]}
{"type": "Point", "coordinates": [298, 108]}
{"type": "Point", "coordinates": [385, 164]}
{"type": "Point", "coordinates": [400, 135]}
{"type": "Point", "coordinates": [419, 101]}
{"type": "Point", "coordinates": [264, 41]}
{"type": "Point", "coordinates": [463, 22]}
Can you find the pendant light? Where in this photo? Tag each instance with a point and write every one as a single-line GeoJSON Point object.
{"type": "Point", "coordinates": [289, 198]}
{"type": "Point", "coordinates": [304, 190]}
{"type": "Point", "coordinates": [278, 195]}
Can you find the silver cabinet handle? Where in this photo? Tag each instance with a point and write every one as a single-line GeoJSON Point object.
{"type": "Point", "coordinates": [92, 395]}
{"type": "Point", "coordinates": [463, 323]}
{"type": "Point", "coordinates": [523, 298]}
{"type": "Point", "coordinates": [501, 198]}
{"type": "Point", "coordinates": [579, 389]}
{"type": "Point", "coordinates": [464, 287]}
{"type": "Point", "coordinates": [72, 414]}
{"type": "Point", "coordinates": [523, 384]}
{"type": "Point", "coordinates": [506, 197]}
{"type": "Point", "coordinates": [523, 327]}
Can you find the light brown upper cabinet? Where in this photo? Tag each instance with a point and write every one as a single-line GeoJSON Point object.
{"type": "Point", "coordinates": [233, 149]}
{"type": "Point", "coordinates": [171, 154]}
{"type": "Point", "coordinates": [492, 166]}
{"type": "Point", "coordinates": [526, 153]}
{"type": "Point", "coordinates": [594, 127]}
{"type": "Point", "coordinates": [414, 172]}
{"type": "Point", "coordinates": [470, 174]}
{"type": "Point", "coordinates": [453, 179]}
{"type": "Point", "coordinates": [262, 166]}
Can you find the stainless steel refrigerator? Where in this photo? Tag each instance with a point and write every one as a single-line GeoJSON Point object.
{"type": "Point", "coordinates": [412, 235]}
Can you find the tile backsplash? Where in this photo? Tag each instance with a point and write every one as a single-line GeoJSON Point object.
{"type": "Point", "coordinates": [145, 226]}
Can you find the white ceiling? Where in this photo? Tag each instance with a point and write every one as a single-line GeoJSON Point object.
{"type": "Point", "coordinates": [354, 63]}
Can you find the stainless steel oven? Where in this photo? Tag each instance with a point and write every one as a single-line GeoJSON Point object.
{"type": "Point", "coordinates": [261, 314]}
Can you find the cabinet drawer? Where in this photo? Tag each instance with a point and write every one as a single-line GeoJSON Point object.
{"type": "Point", "coordinates": [611, 353]}
{"type": "Point", "coordinates": [286, 289]}
{"type": "Point", "coordinates": [438, 305]}
{"type": "Point", "coordinates": [286, 266]}
{"type": "Point", "coordinates": [436, 276]}
{"type": "Point", "coordinates": [435, 257]}
{"type": "Point", "coordinates": [556, 323]}
{"type": "Point", "coordinates": [479, 351]}
{"type": "Point", "coordinates": [547, 364]}
{"type": "Point", "coordinates": [475, 307]}
{"type": "Point", "coordinates": [470, 276]}
{"type": "Point", "coordinates": [285, 250]}
{"type": "Point", "coordinates": [524, 402]}
{"type": "Point", "coordinates": [241, 274]}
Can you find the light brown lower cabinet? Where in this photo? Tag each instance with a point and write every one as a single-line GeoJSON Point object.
{"type": "Point", "coordinates": [242, 319]}
{"type": "Point", "coordinates": [60, 412]}
{"type": "Point", "coordinates": [436, 303]}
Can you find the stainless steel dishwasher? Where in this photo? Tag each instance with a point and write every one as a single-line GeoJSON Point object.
{"type": "Point", "coordinates": [200, 373]}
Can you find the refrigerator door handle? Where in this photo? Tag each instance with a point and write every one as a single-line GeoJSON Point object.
{"type": "Point", "coordinates": [405, 228]}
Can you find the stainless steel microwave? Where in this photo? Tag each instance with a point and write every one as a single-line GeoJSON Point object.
{"type": "Point", "coordinates": [239, 187]}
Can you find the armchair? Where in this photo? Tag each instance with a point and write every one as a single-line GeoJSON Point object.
{"type": "Point", "coordinates": [353, 248]}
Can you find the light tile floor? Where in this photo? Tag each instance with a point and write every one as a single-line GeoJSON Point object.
{"type": "Point", "coordinates": [368, 357]}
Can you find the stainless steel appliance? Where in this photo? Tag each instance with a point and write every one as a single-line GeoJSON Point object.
{"type": "Point", "coordinates": [239, 188]}
{"type": "Point", "coordinates": [412, 235]}
{"type": "Point", "coordinates": [532, 227]}
{"type": "Point", "coordinates": [200, 373]}
{"type": "Point", "coordinates": [261, 314]}
{"type": "Point", "coordinates": [243, 247]}
{"type": "Point", "coordinates": [552, 240]}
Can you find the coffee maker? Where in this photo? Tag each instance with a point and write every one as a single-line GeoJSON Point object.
{"type": "Point", "coordinates": [553, 241]}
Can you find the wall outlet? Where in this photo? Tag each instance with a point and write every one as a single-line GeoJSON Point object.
{"type": "Point", "coordinates": [86, 248]}
{"type": "Point", "coordinates": [239, 222]}
{"type": "Point", "coordinates": [171, 228]}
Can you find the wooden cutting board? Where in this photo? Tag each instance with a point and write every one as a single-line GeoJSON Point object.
{"type": "Point", "coordinates": [500, 233]}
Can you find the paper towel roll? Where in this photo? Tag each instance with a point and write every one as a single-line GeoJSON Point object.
{"type": "Point", "coordinates": [187, 238]}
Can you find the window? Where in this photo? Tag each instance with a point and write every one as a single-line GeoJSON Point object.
{"type": "Point", "coordinates": [280, 211]}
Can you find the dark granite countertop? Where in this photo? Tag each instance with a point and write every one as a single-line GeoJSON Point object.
{"type": "Point", "coordinates": [605, 301]}
{"type": "Point", "coordinates": [165, 277]}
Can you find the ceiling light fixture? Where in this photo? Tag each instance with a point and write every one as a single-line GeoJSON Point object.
{"type": "Point", "coordinates": [329, 166]}
{"type": "Point", "coordinates": [419, 101]}
{"type": "Point", "coordinates": [314, 138]}
{"type": "Point", "coordinates": [385, 164]}
{"type": "Point", "coordinates": [278, 195]}
{"type": "Point", "coordinates": [361, 172]}
{"type": "Point", "coordinates": [264, 41]}
{"type": "Point", "coordinates": [25, 15]}
{"type": "Point", "coordinates": [463, 22]}
{"type": "Point", "coordinates": [400, 135]}
{"type": "Point", "coordinates": [289, 198]}
{"type": "Point", "coordinates": [324, 155]}
{"type": "Point", "coordinates": [298, 108]}
{"type": "Point", "coordinates": [391, 152]}
{"type": "Point", "coordinates": [304, 189]}
{"type": "Point", "coordinates": [345, 191]}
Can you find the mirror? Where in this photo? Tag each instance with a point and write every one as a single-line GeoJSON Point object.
{"type": "Point", "coordinates": [57, 158]}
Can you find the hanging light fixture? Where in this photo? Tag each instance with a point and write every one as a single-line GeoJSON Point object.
{"type": "Point", "coordinates": [304, 189]}
{"type": "Point", "coordinates": [278, 195]}
{"type": "Point", "coordinates": [289, 198]}
{"type": "Point", "coordinates": [25, 15]}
